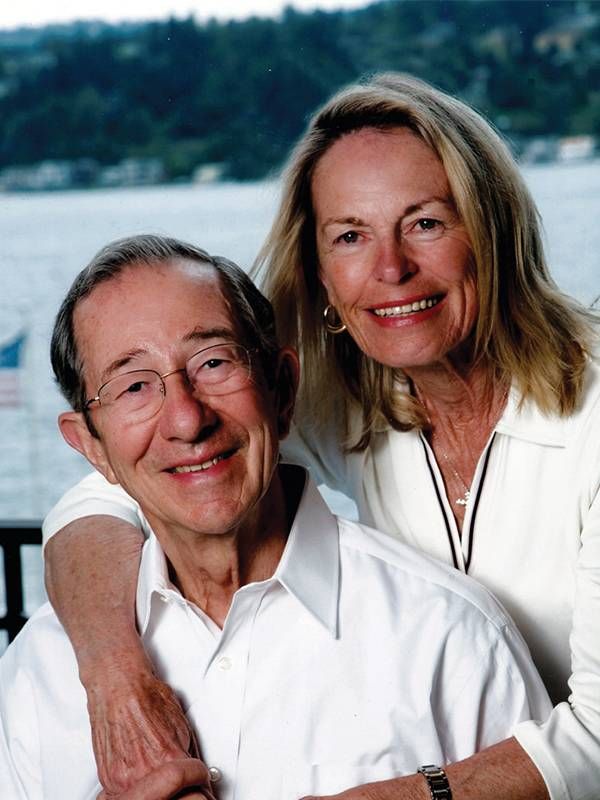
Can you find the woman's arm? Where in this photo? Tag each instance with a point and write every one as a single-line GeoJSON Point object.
{"type": "Point", "coordinates": [91, 578]}
{"type": "Point", "coordinates": [503, 771]}
{"type": "Point", "coordinates": [187, 775]}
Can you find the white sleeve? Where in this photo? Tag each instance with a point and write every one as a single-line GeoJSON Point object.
{"type": "Point", "coordinates": [20, 771]}
{"type": "Point", "coordinates": [320, 450]}
{"type": "Point", "coordinates": [495, 687]}
{"type": "Point", "coordinates": [566, 748]}
{"type": "Point", "coordinates": [92, 496]}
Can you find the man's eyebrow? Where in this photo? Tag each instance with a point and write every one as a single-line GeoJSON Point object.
{"type": "Point", "coordinates": [119, 362]}
{"type": "Point", "coordinates": [200, 334]}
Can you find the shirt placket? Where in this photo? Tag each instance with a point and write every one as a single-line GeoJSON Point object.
{"type": "Point", "coordinates": [460, 544]}
{"type": "Point", "coordinates": [225, 678]}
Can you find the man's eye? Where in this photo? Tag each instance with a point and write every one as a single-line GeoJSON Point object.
{"type": "Point", "coordinates": [128, 391]}
{"type": "Point", "coordinates": [214, 363]}
{"type": "Point", "coordinates": [136, 387]}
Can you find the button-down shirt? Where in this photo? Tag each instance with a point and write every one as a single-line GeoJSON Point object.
{"type": "Point", "coordinates": [359, 660]}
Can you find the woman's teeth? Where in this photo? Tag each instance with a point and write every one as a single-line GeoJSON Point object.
{"type": "Point", "coordinates": [408, 308]}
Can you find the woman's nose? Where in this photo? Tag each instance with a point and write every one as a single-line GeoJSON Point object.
{"type": "Point", "coordinates": [394, 264]}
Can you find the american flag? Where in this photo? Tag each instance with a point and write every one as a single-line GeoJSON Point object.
{"type": "Point", "coordinates": [11, 361]}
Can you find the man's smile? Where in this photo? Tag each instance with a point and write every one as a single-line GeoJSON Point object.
{"type": "Point", "coordinates": [203, 465]}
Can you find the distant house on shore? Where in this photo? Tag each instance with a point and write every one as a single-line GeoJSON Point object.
{"type": "Point", "coordinates": [539, 150]}
{"type": "Point", "coordinates": [81, 173]}
{"type": "Point", "coordinates": [208, 173]}
{"type": "Point", "coordinates": [132, 172]}
{"type": "Point", "coordinates": [45, 176]}
{"type": "Point", "coordinates": [576, 148]}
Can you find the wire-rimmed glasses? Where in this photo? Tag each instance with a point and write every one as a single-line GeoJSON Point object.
{"type": "Point", "coordinates": [138, 395]}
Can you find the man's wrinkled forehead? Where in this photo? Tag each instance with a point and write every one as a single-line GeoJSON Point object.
{"type": "Point", "coordinates": [146, 306]}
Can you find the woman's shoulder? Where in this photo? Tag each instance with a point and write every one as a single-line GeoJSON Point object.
{"type": "Point", "coordinates": [93, 495]}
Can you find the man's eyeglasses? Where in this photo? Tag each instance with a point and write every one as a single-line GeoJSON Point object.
{"type": "Point", "coordinates": [138, 395]}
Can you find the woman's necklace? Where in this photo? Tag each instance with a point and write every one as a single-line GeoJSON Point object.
{"type": "Point", "coordinates": [464, 499]}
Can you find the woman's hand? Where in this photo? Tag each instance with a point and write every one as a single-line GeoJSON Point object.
{"type": "Point", "coordinates": [182, 778]}
{"type": "Point", "coordinates": [137, 724]}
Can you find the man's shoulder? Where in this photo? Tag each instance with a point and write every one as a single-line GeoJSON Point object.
{"type": "Point", "coordinates": [415, 576]}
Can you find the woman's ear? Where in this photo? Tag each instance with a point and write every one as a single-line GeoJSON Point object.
{"type": "Point", "coordinates": [287, 375]}
{"type": "Point", "coordinates": [75, 432]}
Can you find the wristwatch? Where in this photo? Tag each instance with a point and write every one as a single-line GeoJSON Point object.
{"type": "Point", "coordinates": [437, 780]}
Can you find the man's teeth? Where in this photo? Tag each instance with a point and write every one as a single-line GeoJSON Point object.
{"type": "Point", "coordinates": [199, 467]}
{"type": "Point", "coordinates": [408, 308]}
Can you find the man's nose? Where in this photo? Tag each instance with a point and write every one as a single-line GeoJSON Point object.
{"type": "Point", "coordinates": [184, 415]}
{"type": "Point", "coordinates": [394, 263]}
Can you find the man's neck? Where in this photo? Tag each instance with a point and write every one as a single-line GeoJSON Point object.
{"type": "Point", "coordinates": [209, 569]}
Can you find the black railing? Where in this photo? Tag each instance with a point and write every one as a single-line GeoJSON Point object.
{"type": "Point", "coordinates": [13, 535]}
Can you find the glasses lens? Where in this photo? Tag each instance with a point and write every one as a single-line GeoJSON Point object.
{"type": "Point", "coordinates": [134, 396]}
{"type": "Point", "coordinates": [219, 369]}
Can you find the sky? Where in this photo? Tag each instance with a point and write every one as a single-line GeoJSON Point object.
{"type": "Point", "coordinates": [40, 12]}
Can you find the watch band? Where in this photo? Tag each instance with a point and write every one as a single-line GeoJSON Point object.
{"type": "Point", "coordinates": [437, 780]}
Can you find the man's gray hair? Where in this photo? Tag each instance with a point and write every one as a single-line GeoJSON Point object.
{"type": "Point", "coordinates": [250, 310]}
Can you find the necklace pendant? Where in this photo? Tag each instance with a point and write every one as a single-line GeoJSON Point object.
{"type": "Point", "coordinates": [462, 501]}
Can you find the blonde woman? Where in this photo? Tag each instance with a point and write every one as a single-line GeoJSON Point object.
{"type": "Point", "coordinates": [448, 387]}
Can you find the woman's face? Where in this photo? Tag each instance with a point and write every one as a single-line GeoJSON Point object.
{"type": "Point", "coordinates": [394, 256]}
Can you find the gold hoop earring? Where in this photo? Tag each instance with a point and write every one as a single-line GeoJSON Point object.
{"type": "Point", "coordinates": [335, 325]}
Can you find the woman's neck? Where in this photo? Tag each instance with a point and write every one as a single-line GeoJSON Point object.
{"type": "Point", "coordinates": [463, 406]}
{"type": "Point", "coordinates": [454, 392]}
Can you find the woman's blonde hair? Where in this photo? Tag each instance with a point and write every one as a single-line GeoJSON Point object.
{"type": "Point", "coordinates": [527, 331]}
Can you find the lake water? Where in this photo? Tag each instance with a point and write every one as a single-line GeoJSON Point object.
{"type": "Point", "coordinates": [47, 238]}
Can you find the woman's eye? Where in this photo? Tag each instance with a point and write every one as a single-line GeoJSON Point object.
{"type": "Point", "coordinates": [424, 228]}
{"type": "Point", "coordinates": [428, 224]}
{"type": "Point", "coordinates": [349, 237]}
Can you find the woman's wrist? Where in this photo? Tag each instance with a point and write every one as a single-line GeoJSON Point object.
{"type": "Point", "coordinates": [124, 662]}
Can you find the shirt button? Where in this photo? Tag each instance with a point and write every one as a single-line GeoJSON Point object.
{"type": "Point", "coordinates": [164, 597]}
{"type": "Point", "coordinates": [214, 774]}
{"type": "Point", "coordinates": [224, 663]}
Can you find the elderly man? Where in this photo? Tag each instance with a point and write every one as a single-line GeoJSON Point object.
{"type": "Point", "coordinates": [310, 654]}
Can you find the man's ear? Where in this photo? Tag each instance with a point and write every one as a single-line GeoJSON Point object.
{"type": "Point", "coordinates": [287, 375]}
{"type": "Point", "coordinates": [76, 434]}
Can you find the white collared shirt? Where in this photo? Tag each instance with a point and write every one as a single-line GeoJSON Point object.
{"type": "Point", "coordinates": [359, 660]}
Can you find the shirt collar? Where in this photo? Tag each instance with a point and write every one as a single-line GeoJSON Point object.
{"type": "Point", "coordinates": [309, 568]}
{"type": "Point", "coordinates": [153, 579]}
{"type": "Point", "coordinates": [310, 565]}
{"type": "Point", "coordinates": [525, 421]}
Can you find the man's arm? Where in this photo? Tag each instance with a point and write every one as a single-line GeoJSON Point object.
{"type": "Point", "coordinates": [91, 578]}
{"type": "Point", "coordinates": [503, 771]}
